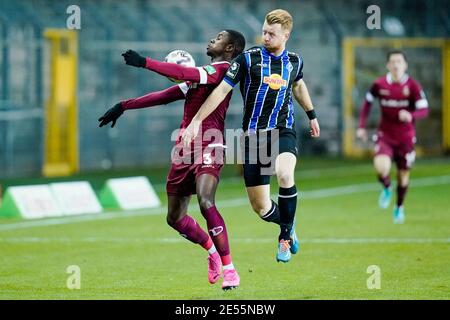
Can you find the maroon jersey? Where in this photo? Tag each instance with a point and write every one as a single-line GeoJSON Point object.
{"type": "Point", "coordinates": [407, 94]}
{"type": "Point", "coordinates": [198, 85]}
{"type": "Point", "coordinates": [196, 94]}
{"type": "Point", "coordinates": [187, 164]}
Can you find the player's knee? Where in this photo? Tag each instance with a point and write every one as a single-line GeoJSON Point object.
{"type": "Point", "coordinates": [382, 164]}
{"type": "Point", "coordinates": [205, 202]}
{"type": "Point", "coordinates": [172, 219]}
{"type": "Point", "coordinates": [285, 179]}
{"type": "Point", "coordinates": [260, 207]}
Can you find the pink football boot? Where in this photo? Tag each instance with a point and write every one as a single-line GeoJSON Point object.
{"type": "Point", "coordinates": [214, 267]}
{"type": "Point", "coordinates": [230, 279]}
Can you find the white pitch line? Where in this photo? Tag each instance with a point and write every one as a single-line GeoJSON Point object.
{"type": "Point", "coordinates": [237, 240]}
{"type": "Point", "coordinates": [80, 218]}
{"type": "Point", "coordinates": [365, 187]}
{"type": "Point", "coordinates": [313, 194]}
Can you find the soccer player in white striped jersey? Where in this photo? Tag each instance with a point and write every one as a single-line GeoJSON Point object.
{"type": "Point", "coordinates": [270, 77]}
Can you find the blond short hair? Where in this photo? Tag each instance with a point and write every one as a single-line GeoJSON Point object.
{"type": "Point", "coordinates": [282, 17]}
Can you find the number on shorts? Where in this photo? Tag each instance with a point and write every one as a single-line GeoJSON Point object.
{"type": "Point", "coordinates": [410, 158]}
{"type": "Point", "coordinates": [207, 158]}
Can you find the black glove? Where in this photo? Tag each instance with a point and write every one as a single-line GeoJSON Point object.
{"type": "Point", "coordinates": [133, 58]}
{"type": "Point", "coordinates": [111, 115]}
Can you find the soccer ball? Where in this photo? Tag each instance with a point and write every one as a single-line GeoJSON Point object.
{"type": "Point", "coordinates": [180, 57]}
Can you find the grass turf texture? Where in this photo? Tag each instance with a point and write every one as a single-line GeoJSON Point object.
{"type": "Point", "coordinates": [141, 257]}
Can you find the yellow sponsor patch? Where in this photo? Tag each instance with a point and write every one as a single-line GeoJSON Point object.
{"type": "Point", "coordinates": [275, 81]}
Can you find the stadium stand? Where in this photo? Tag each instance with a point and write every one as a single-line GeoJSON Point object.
{"type": "Point", "coordinates": [154, 28]}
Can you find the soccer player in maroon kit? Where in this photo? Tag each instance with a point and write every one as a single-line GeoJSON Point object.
{"type": "Point", "coordinates": [194, 172]}
{"type": "Point", "coordinates": [402, 102]}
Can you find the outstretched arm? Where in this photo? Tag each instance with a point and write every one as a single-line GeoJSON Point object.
{"type": "Point", "coordinates": [149, 100]}
{"type": "Point", "coordinates": [171, 70]}
{"type": "Point", "coordinates": [210, 104]}
{"type": "Point", "coordinates": [157, 98]}
{"type": "Point", "coordinates": [176, 71]}
{"type": "Point", "coordinates": [301, 94]}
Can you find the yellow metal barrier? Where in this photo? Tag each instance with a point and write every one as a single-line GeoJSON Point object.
{"type": "Point", "coordinates": [61, 115]}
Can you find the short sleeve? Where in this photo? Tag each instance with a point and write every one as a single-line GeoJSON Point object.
{"type": "Point", "coordinates": [237, 70]}
{"type": "Point", "coordinates": [300, 70]}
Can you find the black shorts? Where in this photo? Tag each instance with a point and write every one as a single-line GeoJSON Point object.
{"type": "Point", "coordinates": [261, 150]}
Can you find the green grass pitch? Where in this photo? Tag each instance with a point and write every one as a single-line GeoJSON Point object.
{"type": "Point", "coordinates": [136, 255]}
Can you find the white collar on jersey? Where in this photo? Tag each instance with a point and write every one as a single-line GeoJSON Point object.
{"type": "Point", "coordinates": [402, 80]}
{"type": "Point", "coordinates": [220, 62]}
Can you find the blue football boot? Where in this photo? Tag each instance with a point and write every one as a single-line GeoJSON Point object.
{"type": "Point", "coordinates": [399, 215]}
{"type": "Point", "coordinates": [284, 252]}
{"type": "Point", "coordinates": [385, 198]}
{"type": "Point", "coordinates": [295, 243]}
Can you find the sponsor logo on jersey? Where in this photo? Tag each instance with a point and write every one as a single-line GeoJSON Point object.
{"type": "Point", "coordinates": [233, 69]}
{"type": "Point", "coordinates": [275, 81]}
{"type": "Point", "coordinates": [394, 103]}
{"type": "Point", "coordinates": [406, 91]}
{"type": "Point", "coordinates": [210, 69]}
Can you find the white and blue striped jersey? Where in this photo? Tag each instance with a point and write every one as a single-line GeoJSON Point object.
{"type": "Point", "coordinates": [266, 87]}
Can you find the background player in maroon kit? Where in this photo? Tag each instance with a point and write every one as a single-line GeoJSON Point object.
{"type": "Point", "coordinates": [187, 174]}
{"type": "Point", "coordinates": [402, 101]}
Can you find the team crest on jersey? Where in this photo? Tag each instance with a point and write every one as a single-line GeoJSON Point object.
{"type": "Point", "coordinates": [406, 91]}
{"type": "Point", "coordinates": [275, 81]}
{"type": "Point", "coordinates": [233, 69]}
{"type": "Point", "coordinates": [289, 67]}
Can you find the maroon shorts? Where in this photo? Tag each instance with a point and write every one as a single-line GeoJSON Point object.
{"type": "Point", "coordinates": [181, 180]}
{"type": "Point", "coordinates": [185, 169]}
{"type": "Point", "coordinates": [400, 150]}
